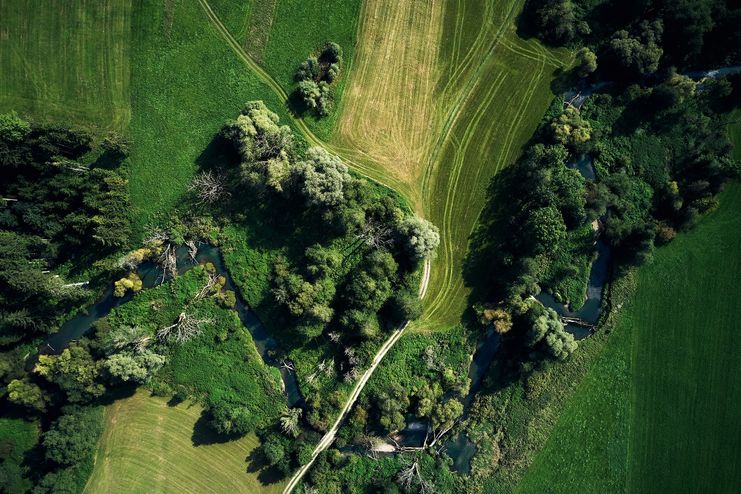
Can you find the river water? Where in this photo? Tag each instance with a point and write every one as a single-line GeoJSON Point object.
{"type": "Point", "coordinates": [151, 276]}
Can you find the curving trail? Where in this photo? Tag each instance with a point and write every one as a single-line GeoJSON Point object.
{"type": "Point", "coordinates": [441, 97]}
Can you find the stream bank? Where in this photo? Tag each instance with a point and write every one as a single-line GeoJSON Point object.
{"type": "Point", "coordinates": [151, 276]}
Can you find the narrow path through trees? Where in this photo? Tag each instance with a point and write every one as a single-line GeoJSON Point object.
{"type": "Point", "coordinates": [328, 438]}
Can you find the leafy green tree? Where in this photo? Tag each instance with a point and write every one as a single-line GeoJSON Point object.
{"type": "Point", "coordinates": [545, 228]}
{"type": "Point", "coordinates": [419, 237]}
{"type": "Point", "coordinates": [265, 147]}
{"type": "Point", "coordinates": [427, 398]}
{"type": "Point", "coordinates": [75, 371]}
{"type": "Point", "coordinates": [404, 306]}
{"type": "Point", "coordinates": [136, 367]}
{"type": "Point", "coordinates": [308, 70]}
{"type": "Point", "coordinates": [640, 55]}
{"type": "Point", "coordinates": [24, 392]}
{"type": "Point", "coordinates": [586, 62]}
{"type": "Point", "coordinates": [73, 437]}
{"type": "Point", "coordinates": [13, 128]}
{"type": "Point", "coordinates": [323, 178]}
{"type": "Point", "coordinates": [570, 128]}
{"type": "Point", "coordinates": [444, 416]}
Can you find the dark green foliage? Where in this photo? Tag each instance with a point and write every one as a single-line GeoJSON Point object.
{"type": "Point", "coordinates": [74, 436]}
{"type": "Point", "coordinates": [54, 209]}
{"type": "Point", "coordinates": [71, 443]}
{"type": "Point", "coordinates": [31, 302]}
{"type": "Point", "coordinates": [17, 438]}
{"type": "Point", "coordinates": [75, 371]}
{"type": "Point", "coordinates": [642, 35]}
{"type": "Point", "coordinates": [315, 76]}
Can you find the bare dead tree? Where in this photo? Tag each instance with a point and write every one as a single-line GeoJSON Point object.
{"type": "Point", "coordinates": [185, 328]}
{"type": "Point", "coordinates": [334, 336]}
{"type": "Point", "coordinates": [287, 365]}
{"type": "Point", "coordinates": [192, 250]}
{"type": "Point", "coordinates": [209, 187]}
{"type": "Point", "coordinates": [410, 476]}
{"type": "Point", "coordinates": [211, 282]}
{"type": "Point", "coordinates": [168, 261]}
{"type": "Point", "coordinates": [374, 235]}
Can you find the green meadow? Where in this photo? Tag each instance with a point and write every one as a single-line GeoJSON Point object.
{"type": "Point", "coordinates": [67, 61]}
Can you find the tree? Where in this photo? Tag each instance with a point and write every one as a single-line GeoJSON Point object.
{"type": "Point", "coordinates": [404, 306]}
{"type": "Point", "coordinates": [289, 421]}
{"type": "Point", "coordinates": [137, 367]}
{"type": "Point", "coordinates": [639, 55]}
{"type": "Point", "coordinates": [24, 392]}
{"type": "Point", "coordinates": [419, 237]}
{"type": "Point", "coordinates": [496, 316]}
{"type": "Point", "coordinates": [265, 147]}
{"type": "Point", "coordinates": [209, 187]}
{"type": "Point", "coordinates": [546, 228]}
{"type": "Point", "coordinates": [74, 370]}
{"type": "Point", "coordinates": [131, 282]}
{"type": "Point", "coordinates": [13, 128]}
{"type": "Point", "coordinates": [323, 178]}
{"type": "Point", "coordinates": [570, 128]}
{"type": "Point", "coordinates": [586, 62]}
{"type": "Point", "coordinates": [547, 328]}
{"type": "Point", "coordinates": [310, 93]}
{"type": "Point", "coordinates": [427, 398]}
{"type": "Point", "coordinates": [73, 437]}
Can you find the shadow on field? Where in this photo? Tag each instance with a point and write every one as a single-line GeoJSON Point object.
{"type": "Point", "coordinates": [203, 433]}
{"type": "Point", "coordinates": [256, 462]}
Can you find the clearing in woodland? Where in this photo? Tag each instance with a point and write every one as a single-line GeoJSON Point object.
{"type": "Point", "coordinates": [150, 446]}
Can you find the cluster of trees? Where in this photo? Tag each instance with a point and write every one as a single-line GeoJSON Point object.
{"type": "Point", "coordinates": [637, 38]}
{"type": "Point", "coordinates": [660, 154]}
{"type": "Point", "coordinates": [315, 77]}
{"type": "Point", "coordinates": [344, 272]}
{"type": "Point", "coordinates": [63, 202]}
{"type": "Point", "coordinates": [53, 209]}
{"type": "Point", "coordinates": [383, 244]}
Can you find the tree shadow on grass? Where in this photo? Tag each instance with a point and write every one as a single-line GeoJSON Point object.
{"type": "Point", "coordinates": [204, 434]}
{"type": "Point", "coordinates": [256, 462]}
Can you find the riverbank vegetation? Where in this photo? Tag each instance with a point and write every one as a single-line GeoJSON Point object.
{"type": "Point", "coordinates": [660, 155]}
{"type": "Point", "coordinates": [659, 351]}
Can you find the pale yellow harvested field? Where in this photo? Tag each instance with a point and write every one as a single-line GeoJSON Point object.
{"type": "Point", "coordinates": [442, 95]}
{"type": "Point", "coordinates": [389, 105]}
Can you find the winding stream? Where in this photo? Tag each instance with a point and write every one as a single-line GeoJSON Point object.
{"type": "Point", "coordinates": [151, 276]}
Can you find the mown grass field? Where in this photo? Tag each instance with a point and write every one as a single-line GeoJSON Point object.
{"type": "Point", "coordinates": [279, 35]}
{"type": "Point", "coordinates": [66, 61]}
{"type": "Point", "coordinates": [147, 447]}
{"type": "Point", "coordinates": [659, 411]}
